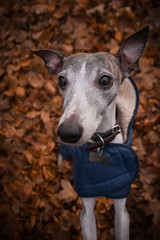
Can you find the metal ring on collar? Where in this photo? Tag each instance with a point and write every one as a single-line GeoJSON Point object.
{"type": "Point", "coordinates": [101, 139]}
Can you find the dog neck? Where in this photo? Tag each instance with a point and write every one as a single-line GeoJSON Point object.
{"type": "Point", "coordinates": [109, 118]}
{"type": "Point", "coordinates": [109, 121]}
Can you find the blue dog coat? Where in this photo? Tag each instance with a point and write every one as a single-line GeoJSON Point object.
{"type": "Point", "coordinates": [92, 179]}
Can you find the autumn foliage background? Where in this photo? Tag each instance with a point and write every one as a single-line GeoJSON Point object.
{"type": "Point", "coordinates": [37, 200]}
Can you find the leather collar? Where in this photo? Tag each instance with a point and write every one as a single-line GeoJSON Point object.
{"type": "Point", "coordinates": [101, 139]}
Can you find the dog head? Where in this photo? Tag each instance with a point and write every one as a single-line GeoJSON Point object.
{"type": "Point", "coordinates": [89, 84]}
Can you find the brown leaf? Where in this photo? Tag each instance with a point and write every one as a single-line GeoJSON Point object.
{"type": "Point", "coordinates": [4, 104]}
{"type": "Point", "coordinates": [20, 92]}
{"type": "Point", "coordinates": [99, 8]}
{"type": "Point", "coordinates": [36, 80]}
{"type": "Point", "coordinates": [50, 88]}
{"type": "Point", "coordinates": [25, 63]}
{"type": "Point", "coordinates": [12, 85]}
{"type": "Point", "coordinates": [145, 64]}
{"type": "Point", "coordinates": [148, 81]}
{"type": "Point", "coordinates": [48, 173]}
{"type": "Point", "coordinates": [44, 160]}
{"type": "Point", "coordinates": [101, 221]}
{"type": "Point", "coordinates": [28, 156]}
{"type": "Point", "coordinates": [32, 221]}
{"type": "Point", "coordinates": [20, 36]}
{"type": "Point", "coordinates": [103, 204]}
{"type": "Point", "coordinates": [51, 6]}
{"type": "Point", "coordinates": [10, 131]}
{"type": "Point", "coordinates": [55, 201]}
{"type": "Point", "coordinates": [47, 212]}
{"type": "Point", "coordinates": [67, 48]}
{"type": "Point", "coordinates": [20, 132]}
{"type": "Point", "coordinates": [82, 43]}
{"type": "Point", "coordinates": [153, 137]}
{"type": "Point", "coordinates": [37, 35]}
{"type": "Point", "coordinates": [59, 13]}
{"type": "Point", "coordinates": [154, 208]}
{"type": "Point", "coordinates": [57, 101]}
{"type": "Point", "coordinates": [82, 3]}
{"type": "Point", "coordinates": [45, 116]}
{"type": "Point", "coordinates": [24, 192]}
{"type": "Point", "coordinates": [112, 46]}
{"type": "Point", "coordinates": [39, 8]}
{"type": "Point", "coordinates": [33, 114]}
{"type": "Point", "coordinates": [67, 220]}
{"type": "Point", "coordinates": [118, 36]}
{"type": "Point", "coordinates": [147, 175]}
{"type": "Point", "coordinates": [156, 157]}
{"type": "Point", "coordinates": [139, 144]}
{"type": "Point", "coordinates": [68, 194]}
{"type": "Point", "coordinates": [1, 71]}
{"type": "Point", "coordinates": [50, 145]}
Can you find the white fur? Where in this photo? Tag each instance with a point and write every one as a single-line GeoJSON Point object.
{"type": "Point", "coordinates": [121, 219]}
{"type": "Point", "coordinates": [88, 222]}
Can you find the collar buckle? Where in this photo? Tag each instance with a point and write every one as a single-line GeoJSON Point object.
{"type": "Point", "coordinates": [101, 139]}
{"type": "Point", "coordinates": [116, 127]}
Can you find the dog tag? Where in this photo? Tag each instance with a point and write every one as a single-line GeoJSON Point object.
{"type": "Point", "coordinates": [95, 157]}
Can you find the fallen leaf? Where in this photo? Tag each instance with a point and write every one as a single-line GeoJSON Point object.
{"type": "Point", "coordinates": [48, 173]}
{"type": "Point", "coordinates": [118, 36]}
{"type": "Point", "coordinates": [68, 194]}
{"type": "Point", "coordinates": [99, 8]}
{"type": "Point", "coordinates": [20, 132]}
{"type": "Point", "coordinates": [59, 14]}
{"type": "Point", "coordinates": [45, 116]}
{"type": "Point", "coordinates": [153, 137]}
{"type": "Point", "coordinates": [51, 6]}
{"type": "Point", "coordinates": [101, 221]}
{"type": "Point", "coordinates": [37, 35]}
{"type": "Point", "coordinates": [66, 220]}
{"type": "Point", "coordinates": [32, 221]}
{"type": "Point", "coordinates": [50, 88]}
{"type": "Point", "coordinates": [154, 208]}
{"type": "Point", "coordinates": [20, 36]}
{"type": "Point", "coordinates": [33, 114]}
{"type": "Point", "coordinates": [39, 8]}
{"type": "Point", "coordinates": [24, 192]}
{"type": "Point", "coordinates": [44, 160]}
{"type": "Point", "coordinates": [20, 91]}
{"type": "Point", "coordinates": [82, 3]}
{"type": "Point", "coordinates": [36, 80]}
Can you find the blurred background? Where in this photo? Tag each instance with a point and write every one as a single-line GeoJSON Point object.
{"type": "Point", "coordinates": [37, 199]}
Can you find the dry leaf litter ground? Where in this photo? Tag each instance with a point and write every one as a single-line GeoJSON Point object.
{"type": "Point", "coordinates": [37, 199]}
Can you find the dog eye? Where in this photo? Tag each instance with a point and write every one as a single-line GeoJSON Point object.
{"type": "Point", "coordinates": [105, 81]}
{"type": "Point", "coordinates": [62, 82]}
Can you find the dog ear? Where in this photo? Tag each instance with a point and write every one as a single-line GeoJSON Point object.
{"type": "Point", "coordinates": [131, 50]}
{"type": "Point", "coordinates": [53, 60]}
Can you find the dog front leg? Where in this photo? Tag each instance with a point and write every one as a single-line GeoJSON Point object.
{"type": "Point", "coordinates": [60, 159]}
{"type": "Point", "coordinates": [87, 218]}
{"type": "Point", "coordinates": [121, 219]}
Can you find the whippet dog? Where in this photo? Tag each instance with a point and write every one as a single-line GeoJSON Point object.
{"type": "Point", "coordinates": [100, 103]}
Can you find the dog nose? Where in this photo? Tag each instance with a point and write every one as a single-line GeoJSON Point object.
{"type": "Point", "coordinates": [70, 132]}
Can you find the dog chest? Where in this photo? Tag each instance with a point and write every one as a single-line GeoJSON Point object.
{"type": "Point", "coordinates": [96, 178]}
